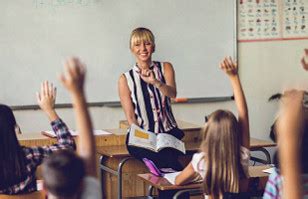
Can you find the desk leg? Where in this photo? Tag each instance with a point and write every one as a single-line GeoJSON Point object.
{"type": "Point", "coordinates": [267, 155]}
{"type": "Point", "coordinates": [192, 192]}
{"type": "Point", "coordinates": [120, 166]}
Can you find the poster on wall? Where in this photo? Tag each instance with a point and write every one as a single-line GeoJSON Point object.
{"type": "Point", "coordinates": [262, 20]}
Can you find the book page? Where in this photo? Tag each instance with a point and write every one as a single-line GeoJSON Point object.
{"type": "Point", "coordinates": [142, 138]}
{"type": "Point", "coordinates": [75, 133]}
{"type": "Point", "coordinates": [165, 140]}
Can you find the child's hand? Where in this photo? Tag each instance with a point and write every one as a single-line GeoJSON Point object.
{"type": "Point", "coordinates": [46, 97]}
{"type": "Point", "coordinates": [74, 75]}
{"type": "Point", "coordinates": [229, 66]}
{"type": "Point", "coordinates": [305, 60]}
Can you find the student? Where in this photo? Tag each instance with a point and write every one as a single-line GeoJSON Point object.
{"type": "Point", "coordinates": [290, 145]}
{"type": "Point", "coordinates": [18, 163]}
{"type": "Point", "coordinates": [145, 92]}
{"type": "Point", "coordinates": [273, 188]}
{"type": "Point", "coordinates": [65, 174]}
{"type": "Point", "coordinates": [304, 60]}
{"type": "Point", "coordinates": [223, 162]}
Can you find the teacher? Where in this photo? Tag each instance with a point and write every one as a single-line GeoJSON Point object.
{"type": "Point", "coordinates": [145, 92]}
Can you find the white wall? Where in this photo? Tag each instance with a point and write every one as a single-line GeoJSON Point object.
{"type": "Point", "coordinates": [264, 68]}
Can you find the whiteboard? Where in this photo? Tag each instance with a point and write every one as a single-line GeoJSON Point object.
{"type": "Point", "coordinates": [37, 35]}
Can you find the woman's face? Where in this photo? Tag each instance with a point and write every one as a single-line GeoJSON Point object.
{"type": "Point", "coordinates": [142, 50]}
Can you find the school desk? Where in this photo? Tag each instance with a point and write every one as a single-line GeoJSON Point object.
{"type": "Point", "coordinates": [163, 184]}
{"type": "Point", "coordinates": [113, 159]}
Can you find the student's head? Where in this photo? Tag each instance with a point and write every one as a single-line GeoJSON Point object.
{"type": "Point", "coordinates": [221, 144]}
{"type": "Point", "coordinates": [142, 43]}
{"type": "Point", "coordinates": [12, 164]}
{"type": "Point", "coordinates": [63, 173]}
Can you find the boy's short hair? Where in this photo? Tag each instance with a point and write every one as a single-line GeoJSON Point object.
{"type": "Point", "coordinates": [63, 173]}
{"type": "Point", "coordinates": [141, 34]}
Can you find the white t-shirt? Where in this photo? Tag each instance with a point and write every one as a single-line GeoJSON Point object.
{"type": "Point", "coordinates": [92, 188]}
{"type": "Point", "coordinates": [198, 162]}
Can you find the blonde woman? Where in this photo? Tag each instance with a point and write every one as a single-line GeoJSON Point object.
{"type": "Point", "coordinates": [223, 162]}
{"type": "Point", "coordinates": [145, 92]}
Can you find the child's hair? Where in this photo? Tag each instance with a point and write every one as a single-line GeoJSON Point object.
{"type": "Point", "coordinates": [221, 145]}
{"type": "Point", "coordinates": [63, 173]}
{"type": "Point", "coordinates": [12, 157]}
{"type": "Point", "coordinates": [141, 34]}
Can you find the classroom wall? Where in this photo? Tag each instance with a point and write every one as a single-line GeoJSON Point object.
{"type": "Point", "coordinates": [263, 68]}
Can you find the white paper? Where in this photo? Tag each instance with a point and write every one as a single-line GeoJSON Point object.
{"type": "Point", "coordinates": [270, 170]}
{"type": "Point", "coordinates": [166, 140]}
{"type": "Point", "coordinates": [171, 177]}
{"type": "Point", "coordinates": [75, 133]}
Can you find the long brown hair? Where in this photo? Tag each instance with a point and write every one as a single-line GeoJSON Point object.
{"type": "Point", "coordinates": [221, 145]}
{"type": "Point", "coordinates": [12, 157]}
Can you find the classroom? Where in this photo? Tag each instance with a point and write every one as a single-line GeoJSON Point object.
{"type": "Point", "coordinates": [268, 39]}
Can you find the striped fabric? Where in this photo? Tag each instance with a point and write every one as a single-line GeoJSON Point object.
{"type": "Point", "coordinates": [273, 189]}
{"type": "Point", "coordinates": [152, 109]}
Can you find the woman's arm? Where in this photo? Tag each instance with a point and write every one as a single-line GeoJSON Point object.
{"type": "Point", "coordinates": [231, 69]}
{"type": "Point", "coordinates": [169, 88]}
{"type": "Point", "coordinates": [126, 100]}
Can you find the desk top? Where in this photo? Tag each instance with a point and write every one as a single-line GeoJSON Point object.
{"type": "Point", "coordinates": [191, 147]}
{"type": "Point", "coordinates": [185, 126]}
{"type": "Point", "coordinates": [121, 150]}
{"type": "Point", "coordinates": [163, 184]}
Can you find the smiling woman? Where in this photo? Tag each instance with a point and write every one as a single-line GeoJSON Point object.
{"type": "Point", "coordinates": [145, 93]}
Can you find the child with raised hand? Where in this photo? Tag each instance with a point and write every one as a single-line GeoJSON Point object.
{"type": "Point", "coordinates": [18, 163]}
{"type": "Point", "coordinates": [66, 174]}
{"type": "Point", "coordinates": [224, 157]}
{"type": "Point", "coordinates": [290, 140]}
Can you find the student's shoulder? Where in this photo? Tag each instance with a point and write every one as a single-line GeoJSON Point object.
{"type": "Point", "coordinates": [92, 189]}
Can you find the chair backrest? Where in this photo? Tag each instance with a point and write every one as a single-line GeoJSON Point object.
{"type": "Point", "coordinates": [34, 195]}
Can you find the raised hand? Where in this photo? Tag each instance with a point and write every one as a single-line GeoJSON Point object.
{"type": "Point", "coordinates": [304, 60]}
{"type": "Point", "coordinates": [74, 75]}
{"type": "Point", "coordinates": [46, 99]}
{"type": "Point", "coordinates": [229, 66]}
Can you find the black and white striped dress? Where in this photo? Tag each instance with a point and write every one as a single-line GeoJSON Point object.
{"type": "Point", "coordinates": [152, 108]}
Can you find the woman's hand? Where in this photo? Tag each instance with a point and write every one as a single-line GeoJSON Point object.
{"type": "Point", "coordinates": [46, 99]}
{"type": "Point", "coordinates": [148, 76]}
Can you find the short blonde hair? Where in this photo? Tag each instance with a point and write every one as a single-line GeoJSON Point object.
{"type": "Point", "coordinates": [141, 34]}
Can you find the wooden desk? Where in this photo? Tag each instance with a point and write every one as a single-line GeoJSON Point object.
{"type": "Point", "coordinates": [163, 184]}
{"type": "Point", "coordinates": [114, 158]}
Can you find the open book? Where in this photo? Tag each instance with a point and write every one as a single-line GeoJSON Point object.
{"type": "Point", "coordinates": [52, 134]}
{"type": "Point", "coordinates": [155, 142]}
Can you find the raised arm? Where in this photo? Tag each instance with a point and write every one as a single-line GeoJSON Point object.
{"type": "Point", "coordinates": [304, 60]}
{"type": "Point", "coordinates": [46, 99]}
{"type": "Point", "coordinates": [230, 67]}
{"type": "Point", "coordinates": [169, 88]}
{"type": "Point", "coordinates": [126, 100]}
{"type": "Point", "coordinates": [73, 80]}
{"type": "Point", "coordinates": [289, 130]}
